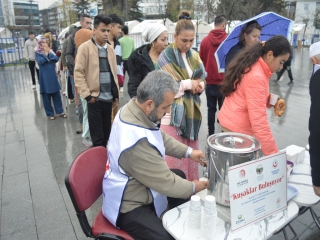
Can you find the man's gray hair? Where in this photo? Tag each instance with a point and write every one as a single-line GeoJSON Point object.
{"type": "Point", "coordinates": [155, 85]}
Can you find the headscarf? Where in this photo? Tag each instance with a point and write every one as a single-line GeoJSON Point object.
{"type": "Point", "coordinates": [151, 32]}
{"type": "Point", "coordinates": [39, 48]}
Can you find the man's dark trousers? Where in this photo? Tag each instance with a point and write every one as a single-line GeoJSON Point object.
{"type": "Point", "coordinates": [142, 223]}
{"type": "Point", "coordinates": [32, 67]}
{"type": "Point", "coordinates": [125, 67]}
{"type": "Point", "coordinates": [214, 96]}
{"type": "Point", "coordinates": [99, 118]}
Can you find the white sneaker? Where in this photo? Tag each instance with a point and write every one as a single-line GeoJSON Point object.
{"type": "Point", "coordinates": [281, 79]}
{"type": "Point", "coordinates": [121, 89]}
{"type": "Point", "coordinates": [33, 87]}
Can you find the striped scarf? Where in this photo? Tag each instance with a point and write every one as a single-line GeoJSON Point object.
{"type": "Point", "coordinates": [185, 111]}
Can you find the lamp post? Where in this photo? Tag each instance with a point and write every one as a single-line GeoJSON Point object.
{"type": "Point", "coordinates": [165, 15]}
{"type": "Point", "coordinates": [126, 11]}
{"type": "Point", "coordinates": [31, 15]}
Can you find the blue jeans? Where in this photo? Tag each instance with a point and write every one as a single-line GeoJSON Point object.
{"type": "Point", "coordinates": [72, 84]}
{"type": "Point", "coordinates": [214, 96]}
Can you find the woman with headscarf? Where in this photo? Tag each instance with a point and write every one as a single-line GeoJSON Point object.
{"type": "Point", "coordinates": [144, 59]}
{"type": "Point", "coordinates": [49, 85]}
{"type": "Point", "coordinates": [249, 35]}
{"type": "Point", "coordinates": [185, 66]}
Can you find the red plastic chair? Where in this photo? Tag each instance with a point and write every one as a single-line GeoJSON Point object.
{"type": "Point", "coordinates": [84, 184]}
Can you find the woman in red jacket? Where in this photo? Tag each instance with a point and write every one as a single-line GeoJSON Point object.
{"type": "Point", "coordinates": [246, 88]}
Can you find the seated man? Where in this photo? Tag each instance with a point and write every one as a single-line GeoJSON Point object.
{"type": "Point", "coordinates": [314, 119]}
{"type": "Point", "coordinates": [138, 181]}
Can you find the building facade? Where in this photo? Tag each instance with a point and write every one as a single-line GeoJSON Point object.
{"type": "Point", "coordinates": [20, 16]}
{"type": "Point", "coordinates": [49, 19]}
{"type": "Point", "coordinates": [153, 9]}
{"type": "Point", "coordinates": [306, 12]}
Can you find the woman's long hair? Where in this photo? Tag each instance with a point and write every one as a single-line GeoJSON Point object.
{"type": "Point", "coordinates": [243, 62]}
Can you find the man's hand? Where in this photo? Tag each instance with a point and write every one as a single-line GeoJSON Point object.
{"type": "Point", "coordinates": [200, 185]}
{"type": "Point", "coordinates": [115, 104]}
{"type": "Point", "coordinates": [92, 100]}
{"type": "Point", "coordinates": [65, 68]}
{"type": "Point", "coordinates": [197, 155]}
{"type": "Point", "coordinates": [316, 190]}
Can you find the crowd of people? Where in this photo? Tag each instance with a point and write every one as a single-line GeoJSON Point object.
{"type": "Point", "coordinates": [152, 140]}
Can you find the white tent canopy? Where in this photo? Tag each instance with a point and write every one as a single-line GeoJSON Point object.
{"type": "Point", "coordinates": [203, 27]}
{"type": "Point", "coordinates": [132, 24]}
{"type": "Point", "coordinates": [65, 30]}
{"type": "Point", "coordinates": [297, 27]}
{"type": "Point", "coordinates": [139, 28]}
{"type": "Point", "coordinates": [5, 33]}
{"type": "Point", "coordinates": [230, 26]}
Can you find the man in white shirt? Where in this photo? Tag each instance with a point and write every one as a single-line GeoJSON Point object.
{"type": "Point", "coordinates": [29, 54]}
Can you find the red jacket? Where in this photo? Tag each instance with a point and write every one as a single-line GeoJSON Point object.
{"type": "Point", "coordinates": [244, 111]}
{"type": "Point", "coordinates": [208, 47]}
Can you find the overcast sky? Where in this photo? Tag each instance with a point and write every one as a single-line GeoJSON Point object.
{"type": "Point", "coordinates": [45, 3]}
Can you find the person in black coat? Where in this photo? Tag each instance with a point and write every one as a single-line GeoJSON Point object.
{"type": "Point", "coordinates": [286, 66]}
{"type": "Point", "coordinates": [249, 35]}
{"type": "Point", "coordinates": [314, 120]}
{"type": "Point", "coordinates": [145, 58]}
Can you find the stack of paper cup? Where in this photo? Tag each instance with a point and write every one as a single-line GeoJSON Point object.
{"type": "Point", "coordinates": [195, 212]}
{"type": "Point", "coordinates": [209, 217]}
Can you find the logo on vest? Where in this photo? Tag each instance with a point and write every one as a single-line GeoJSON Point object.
{"type": "Point", "coordinates": [108, 169]}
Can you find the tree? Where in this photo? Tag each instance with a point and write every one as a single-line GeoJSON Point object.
{"type": "Point", "coordinates": [134, 12]}
{"type": "Point", "coordinates": [277, 6]}
{"type": "Point", "coordinates": [316, 22]}
{"type": "Point", "coordinates": [187, 5]}
{"type": "Point", "coordinates": [82, 6]}
{"type": "Point", "coordinates": [119, 7]}
{"type": "Point", "coordinates": [68, 15]}
{"type": "Point", "coordinates": [173, 9]}
{"type": "Point", "coordinates": [8, 15]}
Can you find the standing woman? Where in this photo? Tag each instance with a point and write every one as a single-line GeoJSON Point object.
{"type": "Point", "coordinates": [249, 35]}
{"type": "Point", "coordinates": [145, 58]}
{"type": "Point", "coordinates": [246, 90]}
{"type": "Point", "coordinates": [185, 66]}
{"type": "Point", "coordinates": [49, 85]}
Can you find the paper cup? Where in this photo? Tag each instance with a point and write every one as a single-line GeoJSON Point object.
{"type": "Point", "coordinates": [273, 99]}
{"type": "Point", "coordinates": [210, 207]}
{"type": "Point", "coordinates": [203, 179]}
{"type": "Point", "coordinates": [195, 205]}
{"type": "Point", "coordinates": [195, 212]}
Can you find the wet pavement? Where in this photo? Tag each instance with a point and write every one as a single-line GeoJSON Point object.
{"type": "Point", "coordinates": [35, 154]}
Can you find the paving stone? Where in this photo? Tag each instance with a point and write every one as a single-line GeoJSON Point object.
{"type": "Point", "coordinates": [54, 223]}
{"type": "Point", "coordinates": [14, 149]}
{"type": "Point", "coordinates": [29, 120]}
{"type": "Point", "coordinates": [16, 199]}
{"type": "Point", "coordinates": [15, 165]}
{"type": "Point", "coordinates": [29, 233]}
{"type": "Point", "coordinates": [14, 136]}
{"type": "Point", "coordinates": [14, 126]}
{"type": "Point", "coordinates": [31, 130]}
{"type": "Point", "coordinates": [2, 131]}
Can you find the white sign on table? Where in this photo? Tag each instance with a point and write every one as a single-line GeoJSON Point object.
{"type": "Point", "coordinates": [257, 189]}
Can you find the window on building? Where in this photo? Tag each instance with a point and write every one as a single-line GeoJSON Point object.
{"type": "Point", "coordinates": [306, 7]}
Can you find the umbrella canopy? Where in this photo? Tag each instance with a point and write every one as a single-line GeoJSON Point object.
{"type": "Point", "coordinates": [272, 24]}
